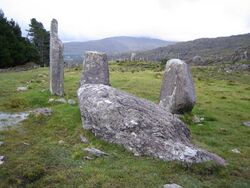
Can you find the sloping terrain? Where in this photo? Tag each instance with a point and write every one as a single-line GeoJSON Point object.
{"type": "Point", "coordinates": [218, 49]}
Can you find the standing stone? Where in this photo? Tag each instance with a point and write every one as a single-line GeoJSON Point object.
{"type": "Point", "coordinates": [56, 61]}
{"type": "Point", "coordinates": [177, 91]}
{"type": "Point", "coordinates": [95, 68]}
{"type": "Point", "coordinates": [132, 57]}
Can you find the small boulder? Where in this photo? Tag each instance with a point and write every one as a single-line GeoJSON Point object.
{"type": "Point", "coordinates": [246, 123]}
{"type": "Point", "coordinates": [41, 111]}
{"type": "Point", "coordinates": [177, 91]}
{"type": "Point", "coordinates": [61, 100]}
{"type": "Point", "coordinates": [22, 88]}
{"type": "Point", "coordinates": [71, 102]}
{"type": "Point", "coordinates": [1, 143]}
{"type": "Point", "coordinates": [83, 139]}
{"type": "Point", "coordinates": [95, 152]}
{"type": "Point", "coordinates": [173, 185]}
{"type": "Point", "coordinates": [235, 150]}
{"type": "Point", "coordinates": [61, 142]}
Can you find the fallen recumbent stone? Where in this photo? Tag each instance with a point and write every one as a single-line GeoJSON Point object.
{"type": "Point", "coordinates": [141, 126]}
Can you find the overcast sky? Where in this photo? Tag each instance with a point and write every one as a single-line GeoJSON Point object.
{"type": "Point", "coordinates": [180, 20]}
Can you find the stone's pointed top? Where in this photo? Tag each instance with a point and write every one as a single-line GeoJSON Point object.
{"type": "Point", "coordinates": [175, 61]}
{"type": "Point", "coordinates": [54, 28]}
{"type": "Point", "coordinates": [54, 21]}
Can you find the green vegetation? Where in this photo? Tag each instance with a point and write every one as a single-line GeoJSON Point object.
{"type": "Point", "coordinates": [17, 50]}
{"type": "Point", "coordinates": [40, 38]}
{"type": "Point", "coordinates": [34, 158]}
{"type": "Point", "coordinates": [14, 49]}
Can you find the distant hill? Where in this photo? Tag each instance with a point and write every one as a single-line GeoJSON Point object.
{"type": "Point", "coordinates": [209, 49]}
{"type": "Point", "coordinates": [113, 45]}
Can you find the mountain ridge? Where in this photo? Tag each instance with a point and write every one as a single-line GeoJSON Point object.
{"type": "Point", "coordinates": [209, 49]}
{"type": "Point", "coordinates": [114, 45]}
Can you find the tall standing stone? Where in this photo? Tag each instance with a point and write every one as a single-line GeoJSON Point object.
{"type": "Point", "coordinates": [56, 61]}
{"type": "Point", "coordinates": [95, 68]}
{"type": "Point", "coordinates": [177, 91]}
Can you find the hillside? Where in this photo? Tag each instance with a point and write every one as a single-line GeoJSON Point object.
{"type": "Point", "coordinates": [113, 45]}
{"type": "Point", "coordinates": [209, 49]}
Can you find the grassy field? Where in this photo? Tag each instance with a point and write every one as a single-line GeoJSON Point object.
{"type": "Point", "coordinates": [34, 158]}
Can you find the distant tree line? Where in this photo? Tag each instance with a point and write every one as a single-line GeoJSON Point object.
{"type": "Point", "coordinates": [17, 50]}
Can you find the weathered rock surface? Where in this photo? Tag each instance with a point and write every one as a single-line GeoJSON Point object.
{"type": "Point", "coordinates": [139, 125]}
{"type": "Point", "coordinates": [56, 61]}
{"type": "Point", "coordinates": [177, 91]}
{"type": "Point", "coordinates": [95, 69]}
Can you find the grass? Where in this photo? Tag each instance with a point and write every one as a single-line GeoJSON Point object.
{"type": "Point", "coordinates": [34, 158]}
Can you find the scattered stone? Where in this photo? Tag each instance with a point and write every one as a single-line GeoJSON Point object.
{"type": "Point", "coordinates": [173, 185]}
{"type": "Point", "coordinates": [11, 119]}
{"type": "Point", "coordinates": [197, 60]}
{"type": "Point", "coordinates": [1, 143]}
{"type": "Point", "coordinates": [61, 100]}
{"type": "Point", "coordinates": [132, 57]}
{"type": "Point", "coordinates": [88, 158]}
{"type": "Point", "coordinates": [235, 150]}
{"type": "Point", "coordinates": [95, 152]}
{"type": "Point", "coordinates": [95, 69]}
{"type": "Point", "coordinates": [1, 159]}
{"type": "Point", "coordinates": [51, 100]}
{"type": "Point", "coordinates": [229, 68]}
{"type": "Point", "coordinates": [71, 102]}
{"type": "Point", "coordinates": [241, 54]}
{"type": "Point", "coordinates": [41, 111]}
{"type": "Point", "coordinates": [177, 91]}
{"type": "Point", "coordinates": [197, 119]}
{"type": "Point", "coordinates": [247, 123]}
{"type": "Point", "coordinates": [43, 90]}
{"type": "Point", "coordinates": [141, 126]}
{"type": "Point", "coordinates": [25, 143]}
{"type": "Point", "coordinates": [61, 142]}
{"type": "Point", "coordinates": [56, 61]}
{"type": "Point", "coordinates": [22, 88]}
{"type": "Point", "coordinates": [83, 139]}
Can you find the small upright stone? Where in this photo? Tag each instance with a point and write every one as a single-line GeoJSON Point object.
{"type": "Point", "coordinates": [177, 91]}
{"type": "Point", "coordinates": [95, 69]}
{"type": "Point", "coordinates": [56, 61]}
